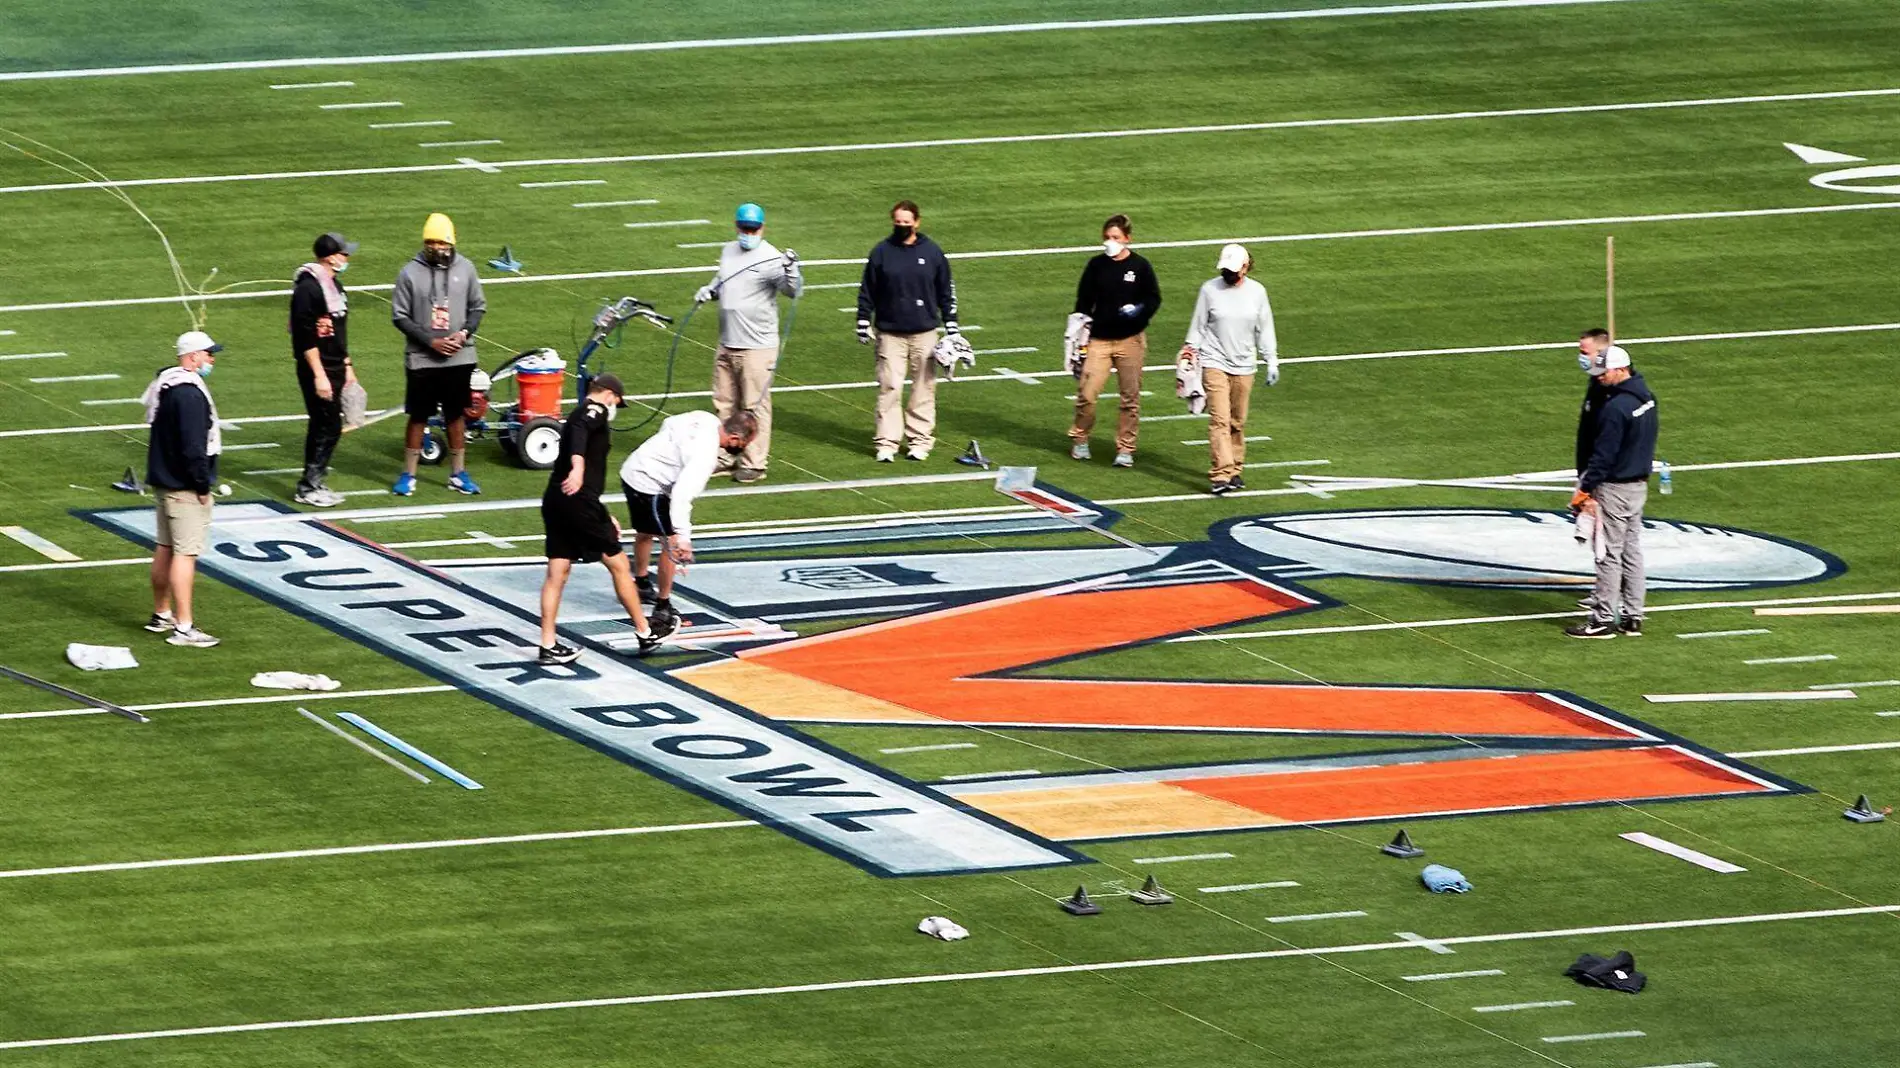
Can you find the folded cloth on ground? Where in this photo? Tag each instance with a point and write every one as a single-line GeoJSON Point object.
{"type": "Point", "coordinates": [1187, 380]}
{"type": "Point", "coordinates": [942, 928]}
{"type": "Point", "coordinates": [99, 657]}
{"type": "Point", "coordinates": [1616, 973]}
{"type": "Point", "coordinates": [1442, 880]}
{"type": "Point", "coordinates": [293, 680]}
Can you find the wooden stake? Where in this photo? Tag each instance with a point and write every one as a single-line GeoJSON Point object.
{"type": "Point", "coordinates": [1609, 284]}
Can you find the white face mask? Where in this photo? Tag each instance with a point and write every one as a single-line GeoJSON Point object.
{"type": "Point", "coordinates": [750, 241]}
{"type": "Point", "coordinates": [1114, 248]}
{"type": "Point", "coordinates": [613, 411]}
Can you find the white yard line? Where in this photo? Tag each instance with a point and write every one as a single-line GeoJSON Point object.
{"type": "Point", "coordinates": [1793, 659]}
{"type": "Point", "coordinates": [654, 224]}
{"type": "Point", "coordinates": [1861, 747]}
{"type": "Point", "coordinates": [1681, 852]}
{"type": "Point", "coordinates": [558, 185]}
{"type": "Point", "coordinates": [405, 58]}
{"type": "Point", "coordinates": [973, 776]}
{"type": "Point", "coordinates": [408, 126]}
{"type": "Point", "coordinates": [1433, 945]}
{"type": "Point", "coordinates": [72, 378]}
{"type": "Point", "coordinates": [1305, 917]}
{"type": "Point", "coordinates": [30, 355]}
{"type": "Point", "coordinates": [1027, 380]}
{"type": "Point", "coordinates": [1692, 1064]}
{"type": "Point", "coordinates": [252, 445]}
{"type": "Point", "coordinates": [1286, 463]}
{"type": "Point", "coordinates": [1000, 352]}
{"type": "Point", "coordinates": [276, 471]}
{"type": "Point", "coordinates": [458, 144]}
{"type": "Point", "coordinates": [97, 401]}
{"type": "Point", "coordinates": [932, 979]}
{"type": "Point", "coordinates": [1435, 976]}
{"type": "Point", "coordinates": [1203, 441]}
{"type": "Point", "coordinates": [1752, 695]}
{"type": "Point", "coordinates": [313, 85]}
{"type": "Point", "coordinates": [126, 561]}
{"type": "Point", "coordinates": [221, 702]}
{"type": "Point", "coordinates": [1184, 857]}
{"type": "Point", "coordinates": [997, 139]}
{"type": "Point", "coordinates": [1724, 633]}
{"type": "Point", "coordinates": [1856, 610]}
{"type": "Point", "coordinates": [1592, 1037]}
{"type": "Point", "coordinates": [1236, 888]}
{"type": "Point", "coordinates": [928, 748]}
{"type": "Point", "coordinates": [623, 204]}
{"type": "Point", "coordinates": [1521, 1005]}
{"type": "Point", "coordinates": [1856, 685]}
{"type": "Point", "coordinates": [361, 105]}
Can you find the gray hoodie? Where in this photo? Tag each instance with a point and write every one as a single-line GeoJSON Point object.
{"type": "Point", "coordinates": [431, 302]}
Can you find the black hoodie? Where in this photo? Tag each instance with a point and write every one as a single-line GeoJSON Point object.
{"type": "Point", "coordinates": [1625, 448]}
{"type": "Point", "coordinates": [907, 288]}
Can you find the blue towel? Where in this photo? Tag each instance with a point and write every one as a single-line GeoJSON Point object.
{"type": "Point", "coordinates": [1442, 880]}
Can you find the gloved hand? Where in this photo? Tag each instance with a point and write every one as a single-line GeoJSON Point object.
{"type": "Point", "coordinates": [864, 331]}
{"type": "Point", "coordinates": [1580, 500]}
{"type": "Point", "coordinates": [950, 329]}
{"type": "Point", "coordinates": [705, 294]}
{"type": "Point", "coordinates": [1273, 373]}
{"type": "Point", "coordinates": [790, 256]}
{"type": "Point", "coordinates": [1186, 355]}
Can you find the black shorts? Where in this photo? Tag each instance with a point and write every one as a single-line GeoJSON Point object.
{"type": "Point", "coordinates": [649, 514]}
{"type": "Point", "coordinates": [433, 389]}
{"type": "Point", "coordinates": [578, 528]}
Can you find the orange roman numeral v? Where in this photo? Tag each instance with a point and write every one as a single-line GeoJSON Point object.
{"type": "Point", "coordinates": [1527, 749]}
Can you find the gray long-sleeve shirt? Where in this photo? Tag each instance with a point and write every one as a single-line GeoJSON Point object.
{"type": "Point", "coordinates": [1232, 327]}
{"type": "Point", "coordinates": [431, 302]}
{"type": "Point", "coordinates": [749, 285]}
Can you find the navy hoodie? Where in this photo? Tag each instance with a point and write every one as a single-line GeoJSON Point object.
{"type": "Point", "coordinates": [907, 288]}
{"type": "Point", "coordinates": [1625, 448]}
{"type": "Point", "coordinates": [181, 432]}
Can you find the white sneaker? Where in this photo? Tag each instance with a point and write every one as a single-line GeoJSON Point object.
{"type": "Point", "coordinates": [1079, 451]}
{"type": "Point", "coordinates": [916, 453]}
{"type": "Point", "coordinates": [321, 497]}
{"type": "Point", "coordinates": [162, 623]}
{"type": "Point", "coordinates": [887, 454]}
{"type": "Point", "coordinates": [192, 636]}
{"type": "Point", "coordinates": [1124, 459]}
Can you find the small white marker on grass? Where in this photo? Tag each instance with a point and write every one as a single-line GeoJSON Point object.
{"type": "Point", "coordinates": [30, 355]}
{"type": "Point", "coordinates": [1523, 1005]}
{"type": "Point", "coordinates": [1185, 856]}
{"type": "Point", "coordinates": [1592, 1037]}
{"type": "Point", "coordinates": [458, 144]}
{"type": "Point", "coordinates": [1663, 845]}
{"type": "Point", "coordinates": [623, 204]}
{"type": "Point", "coordinates": [409, 125]}
{"type": "Point", "coordinates": [973, 775]}
{"type": "Point", "coordinates": [361, 105]}
{"type": "Point", "coordinates": [1792, 659]}
{"type": "Point", "coordinates": [656, 224]}
{"type": "Point", "coordinates": [313, 85]}
{"type": "Point", "coordinates": [1724, 633]}
{"type": "Point", "coordinates": [1304, 917]}
{"type": "Point", "coordinates": [112, 400]}
{"type": "Point", "coordinates": [253, 445]}
{"type": "Point", "coordinates": [1435, 976]}
{"type": "Point", "coordinates": [559, 185]}
{"type": "Point", "coordinates": [1286, 463]}
{"type": "Point", "coordinates": [928, 748]}
{"type": "Point", "coordinates": [1855, 685]}
{"type": "Point", "coordinates": [1238, 887]}
{"type": "Point", "coordinates": [1203, 441]}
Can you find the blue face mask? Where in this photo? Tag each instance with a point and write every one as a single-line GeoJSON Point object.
{"type": "Point", "coordinates": [204, 371]}
{"type": "Point", "coordinates": [341, 267]}
{"type": "Point", "coordinates": [750, 241]}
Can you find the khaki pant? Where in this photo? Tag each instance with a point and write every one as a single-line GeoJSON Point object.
{"type": "Point", "coordinates": [742, 380]}
{"type": "Point", "coordinates": [183, 522]}
{"type": "Point", "coordinates": [899, 355]}
{"type": "Point", "coordinates": [1125, 356]}
{"type": "Point", "coordinates": [1619, 588]}
{"type": "Point", "coordinates": [1226, 421]}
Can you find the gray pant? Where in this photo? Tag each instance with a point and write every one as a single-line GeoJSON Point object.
{"type": "Point", "coordinates": [1619, 589]}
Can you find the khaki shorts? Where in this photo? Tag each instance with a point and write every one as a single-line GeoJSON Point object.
{"type": "Point", "coordinates": [183, 522]}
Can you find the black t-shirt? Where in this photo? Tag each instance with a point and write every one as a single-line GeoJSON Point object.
{"type": "Point", "coordinates": [1108, 286]}
{"type": "Point", "coordinates": [585, 434]}
{"type": "Point", "coordinates": [313, 326]}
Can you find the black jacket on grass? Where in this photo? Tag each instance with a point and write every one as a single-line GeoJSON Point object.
{"type": "Point", "coordinates": [1110, 285]}
{"type": "Point", "coordinates": [181, 431]}
{"type": "Point", "coordinates": [1625, 448]}
{"type": "Point", "coordinates": [907, 288]}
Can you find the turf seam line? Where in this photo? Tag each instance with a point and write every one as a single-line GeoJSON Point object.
{"type": "Point", "coordinates": [934, 978]}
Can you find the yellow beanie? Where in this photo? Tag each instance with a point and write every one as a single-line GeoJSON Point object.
{"type": "Point", "coordinates": [439, 228]}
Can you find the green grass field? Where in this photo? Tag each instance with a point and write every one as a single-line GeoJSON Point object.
{"type": "Point", "coordinates": [1434, 200]}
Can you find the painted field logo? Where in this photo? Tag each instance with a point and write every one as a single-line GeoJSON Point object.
{"type": "Point", "coordinates": [1001, 638]}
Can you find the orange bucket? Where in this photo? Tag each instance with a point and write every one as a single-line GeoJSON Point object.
{"type": "Point", "coordinates": [540, 380]}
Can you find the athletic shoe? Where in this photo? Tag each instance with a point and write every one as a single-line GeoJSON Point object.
{"type": "Point", "coordinates": [662, 624]}
{"type": "Point", "coordinates": [916, 453]}
{"type": "Point", "coordinates": [1220, 487]}
{"type": "Point", "coordinates": [1591, 629]}
{"type": "Point", "coordinates": [1236, 483]}
{"type": "Point", "coordinates": [745, 476]}
{"type": "Point", "coordinates": [319, 497]}
{"type": "Point", "coordinates": [558, 653]}
{"type": "Point", "coordinates": [1124, 459]}
{"type": "Point", "coordinates": [1586, 602]}
{"type": "Point", "coordinates": [405, 485]}
{"type": "Point", "coordinates": [162, 623]}
{"type": "Point", "coordinates": [461, 483]}
{"type": "Point", "coordinates": [647, 589]}
{"type": "Point", "coordinates": [1631, 627]}
{"type": "Point", "coordinates": [192, 636]}
{"type": "Point", "coordinates": [1079, 451]}
{"type": "Point", "coordinates": [887, 454]}
{"type": "Point", "coordinates": [648, 643]}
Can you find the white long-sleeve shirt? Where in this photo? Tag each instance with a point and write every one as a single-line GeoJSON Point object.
{"type": "Point", "coordinates": [676, 462]}
{"type": "Point", "coordinates": [749, 285]}
{"type": "Point", "coordinates": [1232, 327]}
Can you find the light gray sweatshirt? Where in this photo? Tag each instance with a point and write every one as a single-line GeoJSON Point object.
{"type": "Point", "coordinates": [431, 302]}
{"type": "Point", "coordinates": [1232, 327]}
{"type": "Point", "coordinates": [749, 285]}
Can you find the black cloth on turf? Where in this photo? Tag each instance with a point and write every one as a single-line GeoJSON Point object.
{"type": "Point", "coordinates": [1616, 973]}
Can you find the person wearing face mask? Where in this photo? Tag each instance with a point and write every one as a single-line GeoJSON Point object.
{"type": "Point", "coordinates": [579, 527]}
{"type": "Point", "coordinates": [662, 478]}
{"type": "Point", "coordinates": [1613, 484]}
{"type": "Point", "coordinates": [181, 466]}
{"type": "Point", "coordinates": [752, 276]}
{"type": "Point", "coordinates": [319, 342]}
{"type": "Point", "coordinates": [905, 294]}
{"type": "Point", "coordinates": [1117, 296]}
{"type": "Point", "coordinates": [438, 306]}
{"type": "Point", "coordinates": [1229, 334]}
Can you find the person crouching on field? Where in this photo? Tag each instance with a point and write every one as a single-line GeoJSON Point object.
{"type": "Point", "coordinates": [662, 478]}
{"type": "Point", "coordinates": [1117, 296]}
{"type": "Point", "coordinates": [579, 527]}
{"type": "Point", "coordinates": [1230, 333]}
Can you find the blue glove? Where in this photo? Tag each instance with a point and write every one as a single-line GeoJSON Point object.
{"type": "Point", "coordinates": [1442, 880]}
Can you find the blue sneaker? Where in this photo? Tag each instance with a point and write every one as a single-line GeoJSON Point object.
{"type": "Point", "coordinates": [405, 485]}
{"type": "Point", "coordinates": [461, 483]}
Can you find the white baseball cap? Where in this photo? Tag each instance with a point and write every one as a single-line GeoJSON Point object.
{"type": "Point", "coordinates": [1233, 258]}
{"type": "Point", "coordinates": [1608, 360]}
{"type": "Point", "coordinates": [197, 341]}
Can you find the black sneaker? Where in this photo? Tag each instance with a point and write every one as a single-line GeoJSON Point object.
{"type": "Point", "coordinates": [558, 653]}
{"type": "Point", "coordinates": [648, 642]}
{"type": "Point", "coordinates": [1631, 627]}
{"type": "Point", "coordinates": [1236, 483]}
{"type": "Point", "coordinates": [1592, 629]}
{"type": "Point", "coordinates": [663, 622]}
{"type": "Point", "coordinates": [643, 584]}
{"type": "Point", "coordinates": [1220, 487]}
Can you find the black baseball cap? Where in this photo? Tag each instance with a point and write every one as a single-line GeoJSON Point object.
{"type": "Point", "coordinates": [332, 243]}
{"type": "Point", "coordinates": [609, 382]}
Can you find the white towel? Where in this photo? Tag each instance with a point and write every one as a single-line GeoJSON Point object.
{"type": "Point", "coordinates": [1187, 380]}
{"type": "Point", "coordinates": [1075, 342]}
{"type": "Point", "coordinates": [333, 299]}
{"type": "Point", "coordinates": [99, 657]}
{"type": "Point", "coordinates": [1590, 530]}
{"type": "Point", "coordinates": [942, 928]}
{"type": "Point", "coordinates": [178, 376]}
{"type": "Point", "coordinates": [293, 680]}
